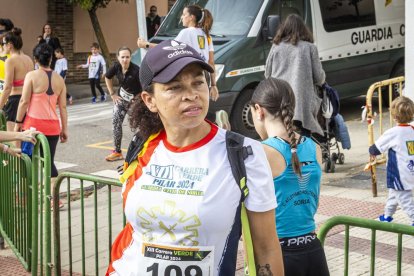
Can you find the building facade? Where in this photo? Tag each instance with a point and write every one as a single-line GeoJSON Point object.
{"type": "Point", "coordinates": [73, 27]}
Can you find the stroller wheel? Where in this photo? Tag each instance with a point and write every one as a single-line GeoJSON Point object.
{"type": "Point", "coordinates": [341, 158]}
{"type": "Point", "coordinates": [334, 157]}
{"type": "Point", "coordinates": [329, 166]}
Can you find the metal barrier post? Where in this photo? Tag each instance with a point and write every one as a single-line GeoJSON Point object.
{"type": "Point", "coordinates": [97, 181]}
{"type": "Point", "coordinates": [15, 205]}
{"type": "Point", "coordinates": [41, 217]}
{"type": "Point", "coordinates": [391, 83]}
{"type": "Point", "coordinates": [375, 226]}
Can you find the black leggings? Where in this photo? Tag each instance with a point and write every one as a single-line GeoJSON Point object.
{"type": "Point", "coordinates": [119, 112]}
{"type": "Point", "coordinates": [304, 256]}
{"type": "Point", "coordinates": [97, 83]}
{"type": "Point", "coordinates": [53, 140]}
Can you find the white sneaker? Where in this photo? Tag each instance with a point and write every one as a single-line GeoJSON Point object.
{"type": "Point", "coordinates": [222, 120]}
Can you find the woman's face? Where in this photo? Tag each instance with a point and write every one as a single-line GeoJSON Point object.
{"type": "Point", "coordinates": [124, 58]}
{"type": "Point", "coordinates": [183, 102]}
{"type": "Point", "coordinates": [187, 18]}
{"type": "Point", "coordinates": [47, 29]}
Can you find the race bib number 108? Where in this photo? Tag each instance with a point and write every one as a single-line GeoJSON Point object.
{"type": "Point", "coordinates": [160, 260]}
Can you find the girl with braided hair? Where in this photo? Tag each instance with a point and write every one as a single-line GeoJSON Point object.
{"type": "Point", "coordinates": [197, 22]}
{"type": "Point", "coordinates": [295, 162]}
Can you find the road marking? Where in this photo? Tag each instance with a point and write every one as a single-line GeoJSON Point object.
{"type": "Point", "coordinates": [87, 112]}
{"type": "Point", "coordinates": [102, 145]}
{"type": "Point", "coordinates": [64, 165]}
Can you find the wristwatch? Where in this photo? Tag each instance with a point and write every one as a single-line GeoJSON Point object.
{"type": "Point", "coordinates": [147, 45]}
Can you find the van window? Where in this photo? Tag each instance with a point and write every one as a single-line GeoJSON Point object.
{"type": "Point", "coordinates": [289, 7]}
{"type": "Point", "coordinates": [347, 14]}
{"type": "Point", "coordinates": [229, 19]}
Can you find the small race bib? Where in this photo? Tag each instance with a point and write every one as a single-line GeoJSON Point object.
{"type": "Point", "coordinates": [125, 95]}
{"type": "Point", "coordinates": [164, 260]}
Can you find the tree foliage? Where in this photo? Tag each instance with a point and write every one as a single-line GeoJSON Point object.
{"type": "Point", "coordinates": [91, 6]}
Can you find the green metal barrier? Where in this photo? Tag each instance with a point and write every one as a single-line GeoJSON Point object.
{"type": "Point", "coordinates": [375, 226]}
{"type": "Point", "coordinates": [25, 215]}
{"type": "Point", "coordinates": [3, 122]}
{"type": "Point", "coordinates": [15, 205]}
{"type": "Point", "coordinates": [41, 213]}
{"type": "Point", "coordinates": [87, 219]}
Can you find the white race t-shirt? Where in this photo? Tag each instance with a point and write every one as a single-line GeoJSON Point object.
{"type": "Point", "coordinates": [96, 65]}
{"type": "Point", "coordinates": [196, 38]}
{"type": "Point", "coordinates": [61, 65]}
{"type": "Point", "coordinates": [182, 209]}
{"type": "Point", "coordinates": [399, 142]}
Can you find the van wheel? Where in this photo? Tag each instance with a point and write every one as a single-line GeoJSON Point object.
{"type": "Point", "coordinates": [397, 72]}
{"type": "Point", "coordinates": [241, 116]}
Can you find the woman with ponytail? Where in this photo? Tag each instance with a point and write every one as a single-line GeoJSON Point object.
{"type": "Point", "coordinates": [197, 22]}
{"type": "Point", "coordinates": [16, 68]}
{"type": "Point", "coordinates": [295, 162]}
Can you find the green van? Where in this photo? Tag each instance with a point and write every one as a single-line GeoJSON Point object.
{"type": "Point", "coordinates": [359, 42]}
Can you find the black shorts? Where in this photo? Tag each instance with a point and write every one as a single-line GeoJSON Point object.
{"type": "Point", "coordinates": [10, 108]}
{"type": "Point", "coordinates": [304, 256]}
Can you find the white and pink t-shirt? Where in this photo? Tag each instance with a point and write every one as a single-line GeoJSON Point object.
{"type": "Point", "coordinates": [183, 208]}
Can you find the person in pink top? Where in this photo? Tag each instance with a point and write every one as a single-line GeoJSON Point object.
{"type": "Point", "coordinates": [43, 90]}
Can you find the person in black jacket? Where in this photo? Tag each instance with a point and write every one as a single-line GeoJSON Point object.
{"type": "Point", "coordinates": [52, 41]}
{"type": "Point", "coordinates": [127, 74]}
{"type": "Point", "coordinates": [153, 22]}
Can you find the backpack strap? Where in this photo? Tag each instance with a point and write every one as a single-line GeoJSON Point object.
{"type": "Point", "coordinates": [237, 153]}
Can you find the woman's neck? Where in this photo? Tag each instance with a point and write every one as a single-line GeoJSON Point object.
{"type": "Point", "coordinates": [275, 127]}
{"type": "Point", "coordinates": [124, 69]}
{"type": "Point", "coordinates": [15, 52]}
{"type": "Point", "coordinates": [179, 137]}
{"type": "Point", "coordinates": [46, 68]}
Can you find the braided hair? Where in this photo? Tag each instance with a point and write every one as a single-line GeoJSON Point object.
{"type": "Point", "coordinates": [277, 97]}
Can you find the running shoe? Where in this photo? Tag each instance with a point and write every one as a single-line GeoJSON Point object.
{"type": "Point", "coordinates": [103, 98]}
{"type": "Point", "coordinates": [93, 100]}
{"type": "Point", "coordinates": [222, 119]}
{"type": "Point", "coordinates": [384, 218]}
{"type": "Point", "coordinates": [114, 156]}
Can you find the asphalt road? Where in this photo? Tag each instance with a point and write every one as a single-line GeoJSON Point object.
{"type": "Point", "coordinates": [90, 135]}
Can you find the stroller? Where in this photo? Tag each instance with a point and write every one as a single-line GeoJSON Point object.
{"type": "Point", "coordinates": [334, 129]}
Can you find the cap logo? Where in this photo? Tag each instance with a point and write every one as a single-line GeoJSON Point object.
{"type": "Point", "coordinates": [175, 45]}
{"type": "Point", "coordinates": [178, 49]}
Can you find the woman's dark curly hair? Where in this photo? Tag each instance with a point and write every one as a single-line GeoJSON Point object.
{"type": "Point", "coordinates": [141, 119]}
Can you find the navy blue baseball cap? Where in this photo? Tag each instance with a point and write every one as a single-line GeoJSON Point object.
{"type": "Point", "coordinates": [165, 61]}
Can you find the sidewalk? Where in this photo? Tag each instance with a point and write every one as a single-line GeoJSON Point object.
{"type": "Point", "coordinates": [345, 192]}
{"type": "Point", "coordinates": [81, 90]}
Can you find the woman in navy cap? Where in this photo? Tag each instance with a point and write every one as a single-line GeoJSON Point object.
{"type": "Point", "coordinates": [181, 200]}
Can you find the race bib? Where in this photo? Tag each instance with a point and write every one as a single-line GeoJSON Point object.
{"type": "Point", "coordinates": [125, 95]}
{"type": "Point", "coordinates": [1, 86]}
{"type": "Point", "coordinates": [164, 260]}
